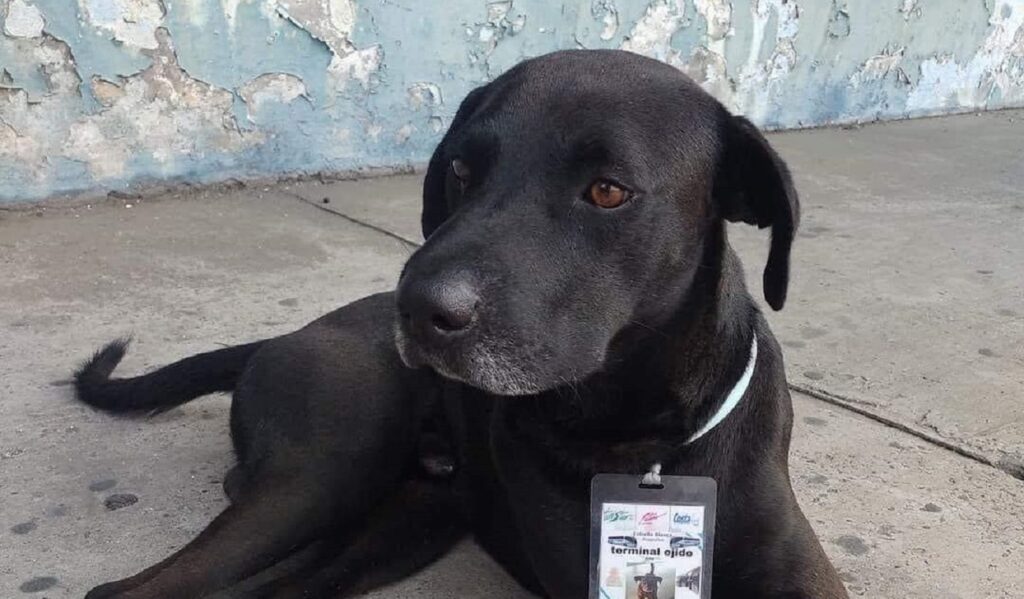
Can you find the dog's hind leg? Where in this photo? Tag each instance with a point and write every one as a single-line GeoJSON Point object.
{"type": "Point", "coordinates": [417, 525]}
{"type": "Point", "coordinates": [275, 518]}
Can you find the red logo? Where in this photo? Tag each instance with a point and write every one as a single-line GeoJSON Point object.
{"type": "Point", "coordinates": [650, 517]}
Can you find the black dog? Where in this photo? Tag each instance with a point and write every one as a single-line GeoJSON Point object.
{"type": "Point", "coordinates": [576, 309]}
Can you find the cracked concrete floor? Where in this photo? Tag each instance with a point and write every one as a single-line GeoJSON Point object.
{"type": "Point", "coordinates": [906, 306]}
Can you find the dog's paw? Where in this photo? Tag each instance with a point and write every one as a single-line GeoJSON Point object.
{"type": "Point", "coordinates": [437, 465]}
{"type": "Point", "coordinates": [104, 591]}
{"type": "Point", "coordinates": [119, 589]}
{"type": "Point", "coordinates": [435, 455]}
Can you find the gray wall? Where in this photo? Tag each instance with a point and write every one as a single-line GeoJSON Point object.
{"type": "Point", "coordinates": [109, 94]}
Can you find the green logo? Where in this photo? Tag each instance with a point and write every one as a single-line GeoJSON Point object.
{"type": "Point", "coordinates": [617, 516]}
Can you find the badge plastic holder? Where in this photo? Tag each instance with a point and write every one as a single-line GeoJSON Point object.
{"type": "Point", "coordinates": [650, 532]}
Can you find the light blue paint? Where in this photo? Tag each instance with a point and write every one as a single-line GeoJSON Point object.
{"type": "Point", "coordinates": [94, 53]}
{"type": "Point", "coordinates": [216, 55]}
{"type": "Point", "coordinates": [692, 35]}
{"type": "Point", "coordinates": [26, 74]}
{"type": "Point", "coordinates": [451, 45]}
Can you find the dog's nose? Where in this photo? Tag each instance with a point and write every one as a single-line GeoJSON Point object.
{"type": "Point", "coordinates": [438, 310]}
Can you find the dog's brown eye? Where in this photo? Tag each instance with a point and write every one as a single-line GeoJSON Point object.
{"type": "Point", "coordinates": [605, 194]}
{"type": "Point", "coordinates": [461, 170]}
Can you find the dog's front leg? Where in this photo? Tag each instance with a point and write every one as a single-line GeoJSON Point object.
{"type": "Point", "coordinates": [254, 533]}
{"type": "Point", "coordinates": [411, 529]}
{"type": "Point", "coordinates": [552, 514]}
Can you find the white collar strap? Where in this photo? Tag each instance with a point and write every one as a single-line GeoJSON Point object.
{"type": "Point", "coordinates": [653, 476]}
{"type": "Point", "coordinates": [734, 397]}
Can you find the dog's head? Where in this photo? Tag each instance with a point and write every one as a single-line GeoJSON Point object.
{"type": "Point", "coordinates": [570, 200]}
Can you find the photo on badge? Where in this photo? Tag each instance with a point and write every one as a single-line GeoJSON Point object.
{"type": "Point", "coordinates": [653, 583]}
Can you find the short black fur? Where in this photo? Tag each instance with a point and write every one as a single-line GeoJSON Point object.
{"type": "Point", "coordinates": [534, 340]}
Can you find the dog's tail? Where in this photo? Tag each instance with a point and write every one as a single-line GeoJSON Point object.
{"type": "Point", "coordinates": [161, 389]}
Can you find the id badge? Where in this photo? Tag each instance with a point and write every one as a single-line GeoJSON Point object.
{"type": "Point", "coordinates": [651, 541]}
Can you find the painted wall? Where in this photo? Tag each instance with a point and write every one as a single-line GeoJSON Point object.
{"type": "Point", "coordinates": [107, 94]}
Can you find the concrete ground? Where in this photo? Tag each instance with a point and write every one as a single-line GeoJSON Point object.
{"type": "Point", "coordinates": [903, 335]}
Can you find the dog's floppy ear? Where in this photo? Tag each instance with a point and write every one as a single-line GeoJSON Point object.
{"type": "Point", "coordinates": [753, 185]}
{"type": "Point", "coordinates": [435, 203]}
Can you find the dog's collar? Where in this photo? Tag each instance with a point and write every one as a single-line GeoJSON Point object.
{"type": "Point", "coordinates": [653, 476]}
{"type": "Point", "coordinates": [733, 398]}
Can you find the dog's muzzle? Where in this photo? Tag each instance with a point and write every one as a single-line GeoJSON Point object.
{"type": "Point", "coordinates": [439, 327]}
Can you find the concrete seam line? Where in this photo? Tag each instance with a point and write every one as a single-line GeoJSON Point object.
{"type": "Point", "coordinates": [850, 405]}
{"type": "Point", "coordinates": [819, 394]}
{"type": "Point", "coordinates": [354, 220]}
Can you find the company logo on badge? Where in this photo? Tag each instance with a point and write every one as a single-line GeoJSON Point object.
{"type": "Point", "coordinates": [617, 516]}
{"type": "Point", "coordinates": [653, 518]}
{"type": "Point", "coordinates": [685, 519]}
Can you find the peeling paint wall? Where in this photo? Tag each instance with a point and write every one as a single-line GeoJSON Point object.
{"type": "Point", "coordinates": [99, 95]}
